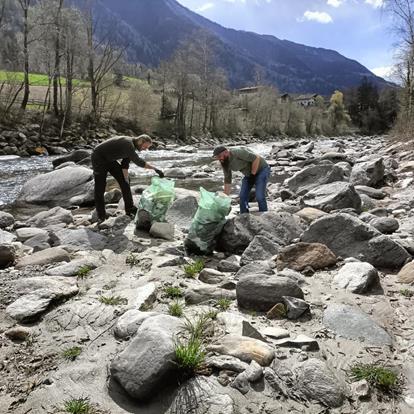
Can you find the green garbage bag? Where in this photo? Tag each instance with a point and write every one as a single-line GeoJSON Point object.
{"type": "Point", "coordinates": [207, 222]}
{"type": "Point", "coordinates": [154, 202]}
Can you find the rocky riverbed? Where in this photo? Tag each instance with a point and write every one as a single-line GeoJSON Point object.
{"type": "Point", "coordinates": [289, 304]}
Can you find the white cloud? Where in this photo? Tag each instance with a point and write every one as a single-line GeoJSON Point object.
{"type": "Point", "coordinates": [320, 17]}
{"type": "Point", "coordinates": [375, 3]}
{"type": "Point", "coordinates": [205, 7]}
{"type": "Point", "coordinates": [383, 71]}
{"type": "Point", "coordinates": [335, 3]}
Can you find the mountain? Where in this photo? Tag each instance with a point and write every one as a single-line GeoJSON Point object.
{"type": "Point", "coordinates": [152, 29]}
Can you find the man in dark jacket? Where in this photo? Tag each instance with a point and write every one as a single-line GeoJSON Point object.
{"type": "Point", "coordinates": [256, 173]}
{"type": "Point", "coordinates": [104, 160]}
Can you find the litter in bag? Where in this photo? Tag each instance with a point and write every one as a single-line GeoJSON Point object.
{"type": "Point", "coordinates": [207, 222]}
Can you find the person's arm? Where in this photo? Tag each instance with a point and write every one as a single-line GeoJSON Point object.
{"type": "Point", "coordinates": [125, 167]}
{"type": "Point", "coordinates": [151, 167]}
{"type": "Point", "coordinates": [255, 165]}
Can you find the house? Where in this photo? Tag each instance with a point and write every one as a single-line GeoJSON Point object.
{"type": "Point", "coordinates": [249, 90]}
{"type": "Point", "coordinates": [306, 100]}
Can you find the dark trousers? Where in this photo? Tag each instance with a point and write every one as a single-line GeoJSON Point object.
{"type": "Point", "coordinates": [261, 180]}
{"type": "Point", "coordinates": [101, 168]}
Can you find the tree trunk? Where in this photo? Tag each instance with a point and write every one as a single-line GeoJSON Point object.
{"type": "Point", "coordinates": [26, 93]}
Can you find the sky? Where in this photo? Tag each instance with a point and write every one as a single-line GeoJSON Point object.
{"type": "Point", "coordinates": [358, 29]}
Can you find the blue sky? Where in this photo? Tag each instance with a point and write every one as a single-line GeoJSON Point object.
{"type": "Point", "coordinates": [358, 29]}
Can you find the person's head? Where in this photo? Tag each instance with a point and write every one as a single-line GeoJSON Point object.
{"type": "Point", "coordinates": [143, 142]}
{"type": "Point", "coordinates": [221, 153]}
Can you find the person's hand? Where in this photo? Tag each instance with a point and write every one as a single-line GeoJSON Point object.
{"type": "Point", "coordinates": [159, 172]}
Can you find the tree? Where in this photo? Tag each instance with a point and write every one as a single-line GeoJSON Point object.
{"type": "Point", "coordinates": [337, 115]}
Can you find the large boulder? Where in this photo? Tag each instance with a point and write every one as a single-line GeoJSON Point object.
{"type": "Point", "coordinates": [6, 237]}
{"type": "Point", "coordinates": [56, 187]}
{"type": "Point", "coordinates": [301, 255]}
{"type": "Point", "coordinates": [369, 173]}
{"type": "Point", "coordinates": [406, 274]}
{"type": "Point", "coordinates": [47, 256]}
{"type": "Point", "coordinates": [314, 176]}
{"type": "Point", "coordinates": [348, 236]}
{"type": "Point", "coordinates": [385, 225]}
{"type": "Point", "coordinates": [147, 363]}
{"type": "Point", "coordinates": [7, 255]}
{"type": "Point", "coordinates": [52, 217]}
{"type": "Point", "coordinates": [333, 196]}
{"type": "Point", "coordinates": [81, 239]}
{"type": "Point", "coordinates": [261, 291]}
{"type": "Point", "coordinates": [261, 248]}
{"type": "Point", "coordinates": [239, 231]}
{"type": "Point", "coordinates": [357, 277]}
{"type": "Point", "coordinates": [75, 156]}
{"type": "Point", "coordinates": [6, 220]}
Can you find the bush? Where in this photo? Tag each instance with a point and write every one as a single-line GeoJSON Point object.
{"type": "Point", "coordinates": [78, 406]}
{"type": "Point", "coordinates": [72, 353]}
{"type": "Point", "coordinates": [176, 309]}
{"type": "Point", "coordinates": [173, 292]}
{"type": "Point", "coordinates": [380, 377]}
{"type": "Point", "coordinates": [191, 270]}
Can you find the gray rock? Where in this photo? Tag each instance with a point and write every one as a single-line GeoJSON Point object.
{"type": "Point", "coordinates": [25, 233]}
{"type": "Point", "coordinates": [318, 383]}
{"type": "Point", "coordinates": [182, 212]}
{"type": "Point", "coordinates": [51, 217]}
{"type": "Point", "coordinates": [255, 268]}
{"type": "Point", "coordinates": [72, 268]}
{"type": "Point", "coordinates": [128, 324]}
{"type": "Point", "coordinates": [199, 294]}
{"type": "Point", "coordinates": [81, 239]}
{"type": "Point", "coordinates": [294, 275]}
{"type": "Point", "coordinates": [43, 291]}
{"type": "Point", "coordinates": [356, 277]}
{"type": "Point", "coordinates": [241, 383]}
{"type": "Point", "coordinates": [351, 323]}
{"type": "Point", "coordinates": [367, 203]}
{"type": "Point", "coordinates": [6, 237]}
{"type": "Point", "coordinates": [162, 231]}
{"type": "Point", "coordinates": [226, 362]}
{"type": "Point", "coordinates": [299, 342]}
{"type": "Point", "coordinates": [261, 292]}
{"type": "Point", "coordinates": [333, 196]}
{"type": "Point", "coordinates": [6, 220]}
{"type": "Point", "coordinates": [47, 256]}
{"type": "Point", "coordinates": [113, 196]}
{"type": "Point", "coordinates": [275, 332]}
{"type": "Point", "coordinates": [147, 364]}
{"type": "Point", "coordinates": [314, 176]}
{"type": "Point", "coordinates": [370, 173]}
{"type": "Point", "coordinates": [56, 186]}
{"type": "Point", "coordinates": [370, 192]}
{"type": "Point", "coordinates": [347, 236]}
{"type": "Point", "coordinates": [231, 264]}
{"type": "Point", "coordinates": [7, 255]}
{"type": "Point", "coordinates": [211, 276]}
{"type": "Point", "coordinates": [295, 307]}
{"type": "Point", "coordinates": [260, 248]}
{"type": "Point", "coordinates": [239, 231]}
{"type": "Point", "coordinates": [385, 225]}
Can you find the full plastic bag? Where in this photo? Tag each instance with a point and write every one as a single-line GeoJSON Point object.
{"type": "Point", "coordinates": [154, 202]}
{"type": "Point", "coordinates": [207, 222]}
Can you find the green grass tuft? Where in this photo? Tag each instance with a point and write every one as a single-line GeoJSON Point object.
{"type": "Point", "coordinates": [173, 292]}
{"type": "Point", "coordinates": [132, 260]}
{"type": "Point", "coordinates": [407, 293]}
{"type": "Point", "coordinates": [78, 406]}
{"type": "Point", "coordinates": [191, 270]}
{"type": "Point", "coordinates": [223, 304]}
{"type": "Point", "coordinates": [72, 353]}
{"type": "Point", "coordinates": [189, 356]}
{"type": "Point", "coordinates": [113, 300]}
{"type": "Point", "coordinates": [83, 272]}
{"type": "Point", "coordinates": [380, 377]}
{"type": "Point", "coordinates": [176, 309]}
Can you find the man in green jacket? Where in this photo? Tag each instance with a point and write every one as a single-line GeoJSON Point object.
{"type": "Point", "coordinates": [104, 160]}
{"type": "Point", "coordinates": [255, 169]}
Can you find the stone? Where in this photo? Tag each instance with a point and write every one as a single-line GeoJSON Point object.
{"type": "Point", "coordinates": [347, 236]}
{"type": "Point", "coordinates": [113, 196]}
{"type": "Point", "coordinates": [81, 239]}
{"type": "Point", "coordinates": [241, 383]}
{"type": "Point", "coordinates": [40, 242]}
{"type": "Point", "coordinates": [6, 237]}
{"type": "Point", "coordinates": [75, 156]}
{"type": "Point", "coordinates": [370, 192]}
{"type": "Point", "coordinates": [57, 186]}
{"type": "Point", "coordinates": [47, 256]}
{"type": "Point", "coordinates": [369, 173]}
{"type": "Point", "coordinates": [295, 307]}
{"type": "Point", "coordinates": [244, 348]}
{"type": "Point", "coordinates": [239, 231]}
{"type": "Point", "coordinates": [145, 296]}
{"type": "Point", "coordinates": [147, 363]}
{"type": "Point", "coordinates": [233, 322]}
{"type": "Point", "coordinates": [334, 196]}
{"type": "Point", "coordinates": [300, 341]}
{"type": "Point", "coordinates": [260, 248]}
{"type": "Point", "coordinates": [357, 277]}
{"type": "Point", "coordinates": [314, 176]}
{"type": "Point", "coordinates": [275, 332]}
{"type": "Point", "coordinates": [128, 324]}
{"type": "Point", "coordinates": [72, 268]}
{"type": "Point", "coordinates": [25, 233]}
{"type": "Point", "coordinates": [43, 291]}
{"type": "Point", "coordinates": [231, 264]}
{"type": "Point", "coordinates": [162, 231]}
{"type": "Point", "coordinates": [385, 225]}
{"type": "Point", "coordinates": [406, 274]}
{"type": "Point", "coordinates": [6, 220]}
{"type": "Point", "coordinates": [255, 268]}
{"type": "Point", "coordinates": [226, 362]}
{"type": "Point", "coordinates": [199, 294]}
{"type": "Point", "coordinates": [367, 203]}
{"type": "Point", "coordinates": [361, 389]}
{"type": "Point", "coordinates": [301, 255]}
{"type": "Point", "coordinates": [352, 323]}
{"type": "Point", "coordinates": [7, 255]}
{"type": "Point", "coordinates": [294, 275]}
{"type": "Point", "coordinates": [318, 383]}
{"type": "Point", "coordinates": [18, 333]}
{"type": "Point", "coordinates": [182, 211]}
{"type": "Point", "coordinates": [211, 276]}
{"type": "Point", "coordinates": [249, 330]}
{"type": "Point", "coordinates": [310, 214]}
{"type": "Point", "coordinates": [51, 217]}
{"type": "Point", "coordinates": [260, 292]}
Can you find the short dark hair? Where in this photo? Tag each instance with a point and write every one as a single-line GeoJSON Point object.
{"type": "Point", "coordinates": [218, 150]}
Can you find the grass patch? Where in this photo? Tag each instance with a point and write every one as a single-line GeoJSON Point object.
{"type": "Point", "coordinates": [113, 300]}
{"type": "Point", "coordinates": [189, 356]}
{"type": "Point", "coordinates": [407, 293]}
{"type": "Point", "coordinates": [71, 354]}
{"type": "Point", "coordinates": [173, 292]}
{"type": "Point", "coordinates": [191, 270]}
{"type": "Point", "coordinates": [78, 406]}
{"type": "Point", "coordinates": [132, 260]}
{"type": "Point", "coordinates": [223, 304]}
{"type": "Point", "coordinates": [35, 79]}
{"type": "Point", "coordinates": [83, 272]}
{"type": "Point", "coordinates": [384, 379]}
{"type": "Point", "coordinates": [176, 309]}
